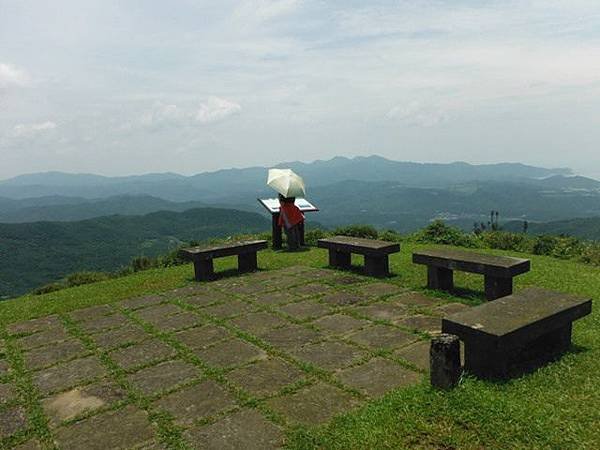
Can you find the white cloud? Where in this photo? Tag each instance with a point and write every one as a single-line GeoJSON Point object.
{"type": "Point", "coordinates": [32, 129]}
{"type": "Point", "coordinates": [264, 10]}
{"type": "Point", "coordinates": [216, 109]}
{"type": "Point", "coordinates": [12, 76]}
{"type": "Point", "coordinates": [162, 113]}
{"type": "Point", "coordinates": [417, 113]}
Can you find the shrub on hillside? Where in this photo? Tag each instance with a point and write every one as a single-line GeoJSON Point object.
{"type": "Point", "coordinates": [81, 278]}
{"type": "Point", "coordinates": [143, 263]}
{"type": "Point", "coordinates": [312, 236]}
{"type": "Point", "coordinates": [47, 288]}
{"type": "Point", "coordinates": [438, 232]}
{"type": "Point", "coordinates": [359, 231]}
{"type": "Point", "coordinates": [590, 254]}
{"type": "Point", "coordinates": [503, 240]}
{"type": "Point", "coordinates": [391, 236]}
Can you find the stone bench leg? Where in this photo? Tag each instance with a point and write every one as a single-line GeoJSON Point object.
{"type": "Point", "coordinates": [497, 287]}
{"type": "Point", "coordinates": [341, 260]}
{"type": "Point", "coordinates": [204, 269]}
{"type": "Point", "coordinates": [440, 278]}
{"type": "Point", "coordinates": [377, 266]}
{"type": "Point", "coordinates": [247, 262]}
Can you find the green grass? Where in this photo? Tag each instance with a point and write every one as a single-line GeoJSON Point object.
{"type": "Point", "coordinates": [556, 407]}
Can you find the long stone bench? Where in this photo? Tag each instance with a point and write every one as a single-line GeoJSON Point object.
{"type": "Point", "coordinates": [375, 252]}
{"type": "Point", "coordinates": [202, 257]}
{"type": "Point", "coordinates": [518, 333]}
{"type": "Point", "coordinates": [498, 271]}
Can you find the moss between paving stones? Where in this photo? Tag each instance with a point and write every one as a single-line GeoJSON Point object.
{"type": "Point", "coordinates": [429, 419]}
{"type": "Point", "coordinates": [196, 402]}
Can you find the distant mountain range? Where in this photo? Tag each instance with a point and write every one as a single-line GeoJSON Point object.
{"type": "Point", "coordinates": [213, 187]}
{"type": "Point", "coordinates": [400, 195]}
{"type": "Point", "coordinates": [33, 254]}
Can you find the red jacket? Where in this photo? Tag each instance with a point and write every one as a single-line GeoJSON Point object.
{"type": "Point", "coordinates": [289, 215]}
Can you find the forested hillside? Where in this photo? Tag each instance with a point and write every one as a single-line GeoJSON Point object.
{"type": "Point", "coordinates": [36, 253]}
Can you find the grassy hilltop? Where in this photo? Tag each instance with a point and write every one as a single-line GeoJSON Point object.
{"type": "Point", "coordinates": [555, 407]}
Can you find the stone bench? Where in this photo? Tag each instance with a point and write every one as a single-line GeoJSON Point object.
{"type": "Point", "coordinates": [202, 257]}
{"type": "Point", "coordinates": [498, 271]}
{"type": "Point", "coordinates": [518, 333]}
{"type": "Point", "coordinates": [375, 253]}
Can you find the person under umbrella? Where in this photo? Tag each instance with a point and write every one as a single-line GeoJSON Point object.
{"type": "Point", "coordinates": [289, 185]}
{"type": "Point", "coordinates": [291, 219]}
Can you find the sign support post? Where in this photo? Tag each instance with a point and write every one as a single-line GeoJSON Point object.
{"type": "Point", "coordinates": [272, 205]}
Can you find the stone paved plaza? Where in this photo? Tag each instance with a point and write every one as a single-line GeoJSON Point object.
{"type": "Point", "coordinates": [229, 364]}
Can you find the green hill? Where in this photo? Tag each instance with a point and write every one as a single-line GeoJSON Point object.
{"type": "Point", "coordinates": [583, 228]}
{"type": "Point", "coordinates": [37, 253]}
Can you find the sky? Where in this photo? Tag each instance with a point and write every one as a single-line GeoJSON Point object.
{"type": "Point", "coordinates": [130, 87]}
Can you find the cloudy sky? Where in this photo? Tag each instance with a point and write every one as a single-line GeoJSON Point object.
{"type": "Point", "coordinates": [125, 87]}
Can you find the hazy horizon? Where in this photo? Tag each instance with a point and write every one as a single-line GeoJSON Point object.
{"type": "Point", "coordinates": [116, 88]}
{"type": "Point", "coordinates": [191, 173]}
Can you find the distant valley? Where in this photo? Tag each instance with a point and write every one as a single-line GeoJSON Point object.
{"type": "Point", "coordinates": [55, 223]}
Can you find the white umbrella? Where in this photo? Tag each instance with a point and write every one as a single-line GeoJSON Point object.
{"type": "Point", "coordinates": [286, 182]}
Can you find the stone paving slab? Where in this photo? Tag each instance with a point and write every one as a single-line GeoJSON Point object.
{"type": "Point", "coordinates": [417, 354]}
{"type": "Point", "coordinates": [305, 310]}
{"type": "Point", "coordinates": [35, 325]}
{"type": "Point", "coordinates": [50, 355]}
{"type": "Point", "coordinates": [8, 393]}
{"type": "Point", "coordinates": [246, 429]}
{"type": "Point", "coordinates": [206, 299]}
{"type": "Point", "coordinates": [230, 353]}
{"type": "Point", "coordinates": [196, 402]}
{"type": "Point", "coordinates": [46, 337]}
{"type": "Point", "coordinates": [426, 324]}
{"type": "Point", "coordinates": [275, 298]}
{"type": "Point", "coordinates": [312, 289]}
{"type": "Point", "coordinates": [12, 420]}
{"type": "Point", "coordinates": [382, 337]}
{"type": "Point", "coordinates": [121, 429]}
{"type": "Point", "coordinates": [163, 376]}
{"type": "Point", "coordinates": [231, 308]}
{"type": "Point", "coordinates": [176, 322]}
{"type": "Point", "coordinates": [75, 402]}
{"type": "Point", "coordinates": [4, 368]}
{"type": "Point", "coordinates": [415, 299]}
{"type": "Point", "coordinates": [69, 374]}
{"type": "Point", "coordinates": [342, 279]}
{"type": "Point", "coordinates": [291, 337]}
{"type": "Point", "coordinates": [104, 323]}
{"type": "Point", "coordinates": [118, 337]}
{"type": "Point", "coordinates": [329, 355]}
{"type": "Point", "coordinates": [378, 376]}
{"type": "Point", "coordinates": [340, 324]}
{"type": "Point", "coordinates": [265, 377]}
{"type": "Point", "coordinates": [92, 312]}
{"type": "Point", "coordinates": [250, 288]}
{"type": "Point", "coordinates": [343, 298]}
{"type": "Point", "coordinates": [158, 312]}
{"type": "Point", "coordinates": [29, 445]}
{"type": "Point", "coordinates": [202, 337]}
{"type": "Point", "coordinates": [141, 302]}
{"type": "Point", "coordinates": [142, 354]}
{"type": "Point", "coordinates": [450, 308]}
{"type": "Point", "coordinates": [313, 405]}
{"type": "Point", "coordinates": [383, 311]}
{"type": "Point", "coordinates": [260, 322]}
{"type": "Point", "coordinates": [379, 289]}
